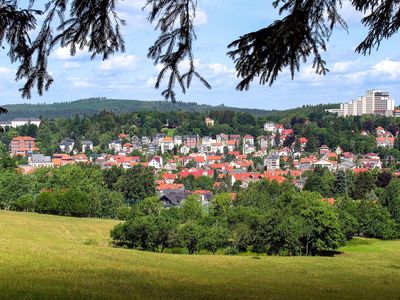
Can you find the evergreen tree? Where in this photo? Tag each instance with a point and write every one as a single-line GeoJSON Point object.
{"type": "Point", "coordinates": [364, 184]}
{"type": "Point", "coordinates": [397, 142]}
{"type": "Point", "coordinates": [311, 145]}
{"type": "Point", "coordinates": [340, 183]}
{"type": "Point", "coordinates": [297, 146]}
{"type": "Point", "coordinates": [277, 138]}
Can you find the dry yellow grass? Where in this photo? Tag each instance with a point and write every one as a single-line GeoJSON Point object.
{"type": "Point", "coordinates": [48, 257]}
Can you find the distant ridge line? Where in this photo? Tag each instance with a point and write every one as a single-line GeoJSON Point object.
{"type": "Point", "coordinates": [90, 106]}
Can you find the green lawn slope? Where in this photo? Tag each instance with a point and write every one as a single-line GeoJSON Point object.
{"type": "Point", "coordinates": [49, 257]}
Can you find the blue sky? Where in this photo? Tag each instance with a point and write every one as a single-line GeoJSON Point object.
{"type": "Point", "coordinates": [218, 22]}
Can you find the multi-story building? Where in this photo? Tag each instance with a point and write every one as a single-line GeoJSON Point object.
{"type": "Point", "coordinates": [272, 162]}
{"type": "Point", "coordinates": [67, 145]}
{"type": "Point", "coordinates": [191, 141]}
{"type": "Point", "coordinates": [222, 138]}
{"type": "Point", "coordinates": [248, 139]}
{"type": "Point", "coordinates": [374, 102]}
{"type": "Point", "coordinates": [270, 127]}
{"type": "Point", "coordinates": [87, 145]}
{"type": "Point", "coordinates": [178, 140]}
{"type": "Point", "coordinates": [40, 160]}
{"type": "Point", "coordinates": [167, 144]}
{"type": "Point", "coordinates": [235, 137]}
{"type": "Point", "coordinates": [21, 145]}
{"type": "Point", "coordinates": [115, 145]}
{"type": "Point", "coordinates": [263, 141]}
{"type": "Point", "coordinates": [20, 122]}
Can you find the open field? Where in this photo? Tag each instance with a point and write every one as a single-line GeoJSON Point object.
{"type": "Point", "coordinates": [47, 257]}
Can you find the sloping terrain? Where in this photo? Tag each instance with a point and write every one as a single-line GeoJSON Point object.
{"type": "Point", "coordinates": [50, 257]}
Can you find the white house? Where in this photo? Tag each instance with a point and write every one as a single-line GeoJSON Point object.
{"type": "Point", "coordinates": [215, 147]}
{"type": "Point", "coordinates": [326, 164]}
{"type": "Point", "coordinates": [87, 145]}
{"type": "Point", "coordinates": [156, 162]}
{"type": "Point", "coordinates": [248, 149]}
{"type": "Point", "coordinates": [167, 144]}
{"type": "Point", "coordinates": [115, 145]}
{"type": "Point", "coordinates": [270, 127]}
{"type": "Point", "coordinates": [207, 141]}
{"type": "Point", "coordinates": [248, 139]}
{"type": "Point", "coordinates": [184, 150]}
{"type": "Point", "coordinates": [272, 162]}
{"type": "Point", "coordinates": [263, 142]}
{"type": "Point", "coordinates": [386, 142]}
{"type": "Point", "coordinates": [39, 160]}
{"type": "Point", "coordinates": [67, 145]}
{"type": "Point", "coordinates": [178, 140]}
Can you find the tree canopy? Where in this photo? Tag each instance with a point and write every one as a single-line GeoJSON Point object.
{"type": "Point", "coordinates": [31, 30]}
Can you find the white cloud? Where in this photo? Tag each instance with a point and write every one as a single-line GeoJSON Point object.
{"type": "Point", "coordinates": [80, 82]}
{"type": "Point", "coordinates": [71, 65]}
{"type": "Point", "coordinates": [349, 13]}
{"type": "Point", "coordinates": [387, 67]}
{"type": "Point", "coordinates": [5, 71]}
{"type": "Point", "coordinates": [201, 18]}
{"type": "Point", "coordinates": [151, 82]}
{"type": "Point", "coordinates": [218, 68]}
{"type": "Point", "coordinates": [344, 66]}
{"type": "Point", "coordinates": [132, 4]}
{"type": "Point", "coordinates": [308, 73]}
{"type": "Point", "coordinates": [64, 53]}
{"type": "Point", "coordinates": [357, 76]}
{"type": "Point", "coordinates": [120, 62]}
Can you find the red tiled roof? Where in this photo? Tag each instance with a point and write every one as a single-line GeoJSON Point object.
{"type": "Point", "coordinates": [329, 200]}
{"type": "Point", "coordinates": [169, 176]}
{"type": "Point", "coordinates": [215, 157]}
{"type": "Point", "coordinates": [303, 140]}
{"type": "Point", "coordinates": [173, 186]}
{"type": "Point", "coordinates": [24, 138]}
{"type": "Point", "coordinates": [360, 170]}
{"type": "Point", "coordinates": [201, 192]}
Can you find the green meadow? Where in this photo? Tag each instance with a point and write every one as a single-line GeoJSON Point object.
{"type": "Point", "coordinates": [51, 257]}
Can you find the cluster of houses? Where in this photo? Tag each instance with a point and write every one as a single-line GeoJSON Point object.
{"type": "Point", "coordinates": [384, 138]}
{"type": "Point", "coordinates": [206, 156]}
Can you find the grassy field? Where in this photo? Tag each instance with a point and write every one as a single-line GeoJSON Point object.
{"type": "Point", "coordinates": [48, 257]}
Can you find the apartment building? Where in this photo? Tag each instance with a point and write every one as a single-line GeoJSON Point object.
{"type": "Point", "coordinates": [21, 145]}
{"type": "Point", "coordinates": [374, 102]}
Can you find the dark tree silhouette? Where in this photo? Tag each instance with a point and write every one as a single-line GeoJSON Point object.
{"type": "Point", "coordinates": [76, 24]}
{"type": "Point", "coordinates": [302, 33]}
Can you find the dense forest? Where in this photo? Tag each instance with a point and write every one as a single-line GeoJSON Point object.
{"type": "Point", "coordinates": [96, 105]}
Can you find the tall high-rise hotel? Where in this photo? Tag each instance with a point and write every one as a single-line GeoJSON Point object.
{"type": "Point", "coordinates": [374, 102]}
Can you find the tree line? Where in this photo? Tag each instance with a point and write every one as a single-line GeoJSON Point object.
{"type": "Point", "coordinates": [74, 190]}
{"type": "Point", "coordinates": [267, 217]}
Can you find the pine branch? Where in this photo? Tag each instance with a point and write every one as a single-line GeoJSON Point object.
{"type": "Point", "coordinates": [174, 19]}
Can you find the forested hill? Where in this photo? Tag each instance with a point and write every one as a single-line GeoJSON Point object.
{"type": "Point", "coordinates": [96, 105]}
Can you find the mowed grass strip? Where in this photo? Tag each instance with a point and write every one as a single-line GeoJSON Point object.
{"type": "Point", "coordinates": [51, 257]}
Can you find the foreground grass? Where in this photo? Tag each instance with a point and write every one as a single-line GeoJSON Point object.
{"type": "Point", "coordinates": [48, 257]}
